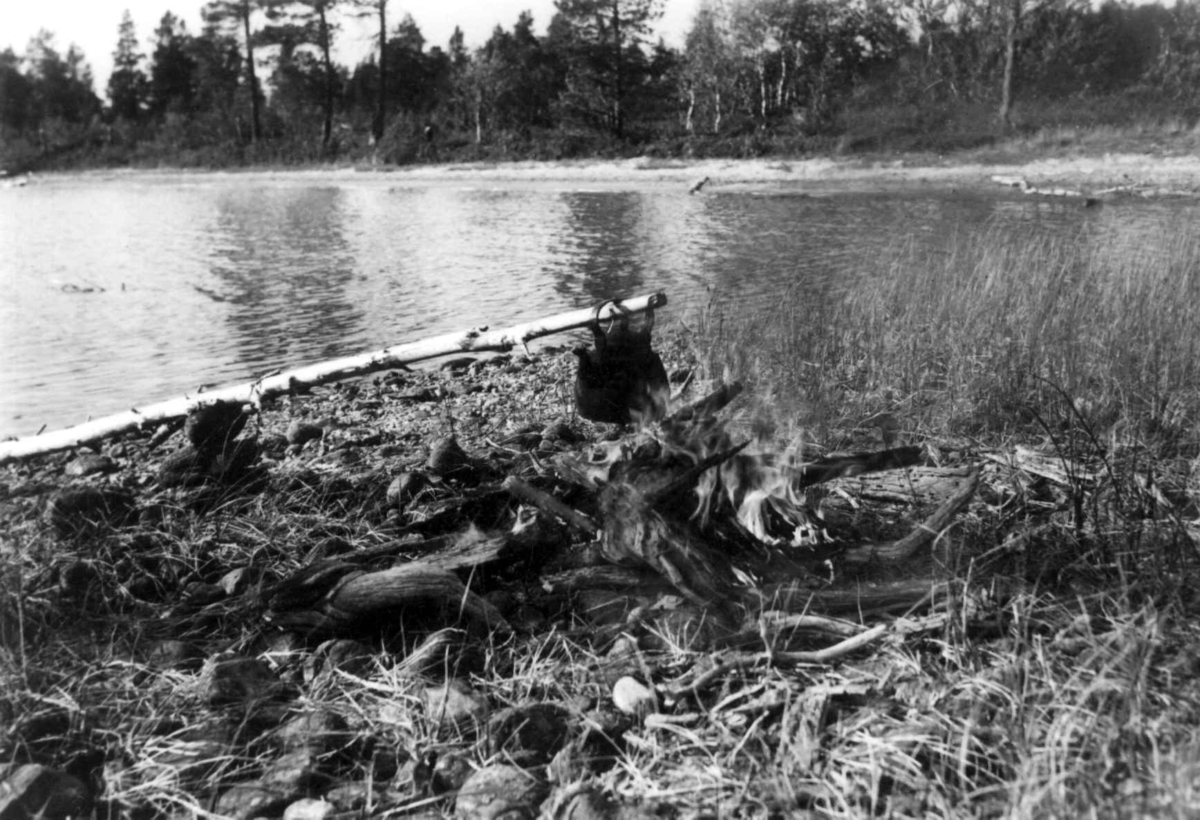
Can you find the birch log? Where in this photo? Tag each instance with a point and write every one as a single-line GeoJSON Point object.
{"type": "Point", "coordinates": [278, 384]}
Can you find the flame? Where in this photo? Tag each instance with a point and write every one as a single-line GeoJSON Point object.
{"type": "Point", "coordinates": [759, 486]}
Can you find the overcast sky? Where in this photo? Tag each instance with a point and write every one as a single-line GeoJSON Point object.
{"type": "Point", "coordinates": [92, 24]}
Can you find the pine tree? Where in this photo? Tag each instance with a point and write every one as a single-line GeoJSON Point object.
{"type": "Point", "coordinates": [227, 15]}
{"type": "Point", "coordinates": [127, 86]}
{"type": "Point", "coordinates": [604, 39]}
{"type": "Point", "coordinates": [378, 8]}
{"type": "Point", "coordinates": [172, 68]}
{"type": "Point", "coordinates": [307, 22]}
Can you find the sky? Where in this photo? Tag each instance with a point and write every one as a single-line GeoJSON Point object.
{"type": "Point", "coordinates": [92, 24]}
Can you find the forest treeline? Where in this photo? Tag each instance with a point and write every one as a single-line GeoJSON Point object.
{"type": "Point", "coordinates": [258, 83]}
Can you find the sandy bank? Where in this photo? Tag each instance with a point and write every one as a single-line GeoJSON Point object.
{"type": "Point", "coordinates": [1088, 174]}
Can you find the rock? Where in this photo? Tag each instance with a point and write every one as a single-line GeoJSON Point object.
{"type": "Point", "coordinates": [459, 364]}
{"type": "Point", "coordinates": [240, 680]}
{"type": "Point", "coordinates": [320, 729]}
{"type": "Point", "coordinates": [298, 771]}
{"type": "Point", "coordinates": [249, 800]}
{"type": "Point", "coordinates": [500, 791]}
{"type": "Point", "coordinates": [446, 457]}
{"type": "Point", "coordinates": [38, 791]}
{"type": "Point", "coordinates": [309, 808]}
{"type": "Point", "coordinates": [423, 394]}
{"type": "Point", "coordinates": [235, 462]}
{"type": "Point", "coordinates": [198, 593]}
{"type": "Point", "coordinates": [183, 468]}
{"type": "Point", "coordinates": [530, 734]}
{"type": "Point", "coordinates": [354, 796]}
{"type": "Point", "coordinates": [450, 772]}
{"type": "Point", "coordinates": [560, 431]}
{"type": "Point", "coordinates": [403, 488]}
{"type": "Point", "coordinates": [633, 697]}
{"type": "Point", "coordinates": [78, 578]}
{"type": "Point", "coordinates": [235, 581]}
{"type": "Point", "coordinates": [454, 705]}
{"type": "Point", "coordinates": [346, 654]}
{"type": "Point", "coordinates": [300, 432]}
{"type": "Point", "coordinates": [209, 427]}
{"type": "Point", "coordinates": [589, 804]}
{"type": "Point", "coordinates": [87, 464]}
{"type": "Point", "coordinates": [78, 510]}
{"type": "Point", "coordinates": [174, 654]}
{"type": "Point", "coordinates": [504, 601]}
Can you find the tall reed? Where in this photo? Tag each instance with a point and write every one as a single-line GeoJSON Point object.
{"type": "Point", "coordinates": [990, 334]}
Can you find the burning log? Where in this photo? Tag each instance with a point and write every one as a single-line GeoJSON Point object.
{"type": "Point", "coordinates": [641, 527]}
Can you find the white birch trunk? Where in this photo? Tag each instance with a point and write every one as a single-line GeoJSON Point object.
{"type": "Point", "coordinates": [279, 384]}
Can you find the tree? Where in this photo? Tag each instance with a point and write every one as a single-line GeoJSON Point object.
{"type": "Point", "coordinates": [127, 85]}
{"type": "Point", "coordinates": [602, 41]}
{"type": "Point", "coordinates": [708, 69]}
{"type": "Point", "coordinates": [308, 22]}
{"type": "Point", "coordinates": [226, 16]}
{"type": "Point", "coordinates": [1010, 62]}
{"type": "Point", "coordinates": [173, 68]}
{"type": "Point", "coordinates": [378, 8]}
{"type": "Point", "coordinates": [517, 80]}
{"type": "Point", "coordinates": [217, 81]}
{"type": "Point", "coordinates": [62, 87]}
{"type": "Point", "coordinates": [16, 94]}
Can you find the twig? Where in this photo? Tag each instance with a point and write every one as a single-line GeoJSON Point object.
{"type": "Point", "coordinates": [549, 504]}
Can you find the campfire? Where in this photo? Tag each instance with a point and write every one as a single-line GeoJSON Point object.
{"type": "Point", "coordinates": [678, 507]}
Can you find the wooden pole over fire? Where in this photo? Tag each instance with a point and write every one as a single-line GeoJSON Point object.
{"type": "Point", "coordinates": [282, 383]}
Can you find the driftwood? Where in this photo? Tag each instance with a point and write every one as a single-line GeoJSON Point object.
{"type": "Point", "coordinates": [915, 485]}
{"type": "Point", "coordinates": [549, 504]}
{"type": "Point", "coordinates": [283, 383]}
{"type": "Point", "coordinates": [923, 535]}
{"type": "Point", "coordinates": [357, 597]}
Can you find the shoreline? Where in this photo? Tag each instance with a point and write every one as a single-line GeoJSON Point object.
{"type": "Point", "coordinates": [816, 175]}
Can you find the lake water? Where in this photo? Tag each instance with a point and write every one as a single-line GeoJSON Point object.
{"type": "Point", "coordinates": [123, 291]}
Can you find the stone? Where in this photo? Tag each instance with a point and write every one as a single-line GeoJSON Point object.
{"type": "Point", "coordinates": [459, 364]}
{"type": "Point", "coordinates": [87, 464]}
{"type": "Point", "coordinates": [298, 771]}
{"type": "Point", "coordinates": [560, 430]}
{"type": "Point", "coordinates": [500, 791]}
{"type": "Point", "coordinates": [346, 654]}
{"type": "Point", "coordinates": [633, 697]}
{"type": "Point", "coordinates": [450, 771]}
{"type": "Point", "coordinates": [589, 804]}
{"type": "Point", "coordinates": [235, 581]}
{"type": "Point", "coordinates": [446, 457]}
{"type": "Point", "coordinates": [183, 468]}
{"type": "Point", "coordinates": [79, 510]}
{"type": "Point", "coordinates": [300, 432]}
{"type": "Point", "coordinates": [39, 791]}
{"type": "Point", "coordinates": [454, 705]}
{"type": "Point", "coordinates": [175, 654]}
{"type": "Point", "coordinates": [309, 808]}
{"type": "Point", "coordinates": [530, 734]}
{"type": "Point", "coordinates": [78, 578]}
{"type": "Point", "coordinates": [198, 593]}
{"type": "Point", "coordinates": [235, 462]}
{"type": "Point", "coordinates": [245, 801]}
{"type": "Point", "coordinates": [240, 680]}
{"type": "Point", "coordinates": [403, 488]}
{"type": "Point", "coordinates": [319, 729]}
